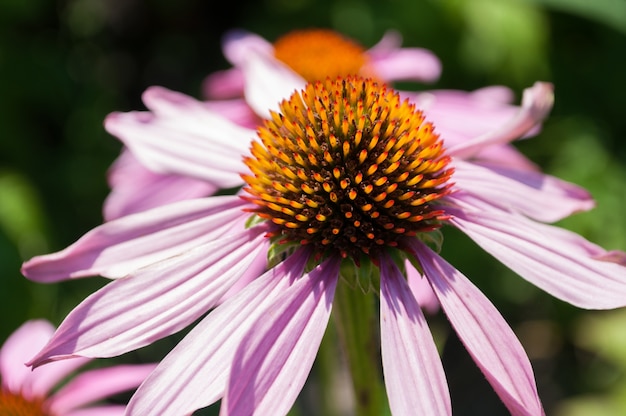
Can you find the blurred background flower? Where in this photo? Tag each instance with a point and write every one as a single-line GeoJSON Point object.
{"type": "Point", "coordinates": [55, 389]}
{"type": "Point", "coordinates": [64, 65]}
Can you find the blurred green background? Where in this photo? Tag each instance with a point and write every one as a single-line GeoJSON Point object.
{"type": "Point", "coordinates": [65, 64]}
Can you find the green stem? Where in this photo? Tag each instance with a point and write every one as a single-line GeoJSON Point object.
{"type": "Point", "coordinates": [356, 319]}
{"type": "Point", "coordinates": [326, 366]}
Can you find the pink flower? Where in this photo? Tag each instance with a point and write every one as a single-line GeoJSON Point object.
{"type": "Point", "coordinates": [315, 54]}
{"type": "Point", "coordinates": [136, 187]}
{"type": "Point", "coordinates": [343, 173]}
{"type": "Point", "coordinates": [34, 392]}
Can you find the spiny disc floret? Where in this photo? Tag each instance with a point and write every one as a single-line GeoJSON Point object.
{"type": "Point", "coordinates": [347, 166]}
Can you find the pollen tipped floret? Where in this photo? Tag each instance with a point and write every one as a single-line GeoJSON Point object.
{"type": "Point", "coordinates": [348, 166]}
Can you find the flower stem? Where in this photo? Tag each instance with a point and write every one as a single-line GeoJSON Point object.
{"type": "Point", "coordinates": [355, 317]}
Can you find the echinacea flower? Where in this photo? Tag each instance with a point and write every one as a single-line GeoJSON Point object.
{"type": "Point", "coordinates": [304, 54]}
{"type": "Point", "coordinates": [28, 392]}
{"type": "Point", "coordinates": [300, 56]}
{"type": "Point", "coordinates": [345, 178]}
{"type": "Point", "coordinates": [315, 54]}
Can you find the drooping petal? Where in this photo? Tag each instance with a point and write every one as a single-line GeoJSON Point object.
{"type": "Point", "coordinates": [536, 104]}
{"type": "Point", "coordinates": [136, 189]}
{"type": "Point", "coordinates": [237, 44]}
{"type": "Point", "coordinates": [462, 115]}
{"type": "Point", "coordinates": [118, 247]}
{"type": "Point", "coordinates": [541, 197]}
{"type": "Point", "coordinates": [194, 374]}
{"type": "Point", "coordinates": [158, 300]}
{"type": "Point", "coordinates": [182, 136]}
{"type": "Point", "coordinates": [268, 82]}
{"type": "Point", "coordinates": [459, 116]}
{"type": "Point", "coordinates": [274, 359]}
{"type": "Point", "coordinates": [558, 261]}
{"type": "Point", "coordinates": [414, 376]}
{"type": "Point", "coordinates": [95, 385]}
{"type": "Point", "coordinates": [393, 63]}
{"type": "Point", "coordinates": [485, 334]}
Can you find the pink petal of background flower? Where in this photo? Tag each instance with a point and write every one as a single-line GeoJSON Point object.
{"type": "Point", "coordinates": [79, 392]}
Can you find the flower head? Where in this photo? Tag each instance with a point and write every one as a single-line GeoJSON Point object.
{"type": "Point", "coordinates": [348, 167]}
{"type": "Point", "coordinates": [344, 169]}
{"type": "Point", "coordinates": [303, 55]}
{"type": "Point", "coordinates": [35, 392]}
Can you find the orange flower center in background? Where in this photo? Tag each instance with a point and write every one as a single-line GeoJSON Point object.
{"type": "Point", "coordinates": [348, 167]}
{"type": "Point", "coordinates": [319, 53]}
{"type": "Point", "coordinates": [16, 405]}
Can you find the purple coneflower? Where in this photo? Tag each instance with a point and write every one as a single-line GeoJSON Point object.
{"type": "Point", "coordinates": [302, 55]}
{"type": "Point", "coordinates": [315, 54]}
{"type": "Point", "coordinates": [27, 392]}
{"type": "Point", "coordinates": [346, 179]}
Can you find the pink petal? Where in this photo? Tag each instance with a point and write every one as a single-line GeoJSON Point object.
{"type": "Point", "coordinates": [181, 136]}
{"type": "Point", "coordinates": [393, 63]}
{"type": "Point", "coordinates": [484, 332]}
{"type": "Point", "coordinates": [194, 374]}
{"type": "Point", "coordinates": [136, 189]}
{"type": "Point", "coordinates": [268, 82]}
{"type": "Point", "coordinates": [505, 155]}
{"type": "Point", "coordinates": [223, 84]}
{"type": "Point", "coordinates": [492, 95]}
{"type": "Point", "coordinates": [275, 358]}
{"type": "Point", "coordinates": [541, 197]}
{"type": "Point", "coordinates": [460, 115]}
{"type": "Point", "coordinates": [21, 345]}
{"type": "Point", "coordinates": [118, 247]}
{"type": "Point", "coordinates": [238, 44]}
{"type": "Point", "coordinates": [157, 300]}
{"type": "Point", "coordinates": [236, 110]}
{"type": "Point", "coordinates": [422, 292]}
{"type": "Point", "coordinates": [558, 261]}
{"type": "Point", "coordinates": [536, 104]}
{"type": "Point", "coordinates": [414, 376]}
{"type": "Point", "coordinates": [614, 256]}
{"type": "Point", "coordinates": [107, 410]}
{"type": "Point", "coordinates": [44, 379]}
{"type": "Point", "coordinates": [99, 384]}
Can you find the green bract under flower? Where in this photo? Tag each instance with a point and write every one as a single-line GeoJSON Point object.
{"type": "Point", "coordinates": [348, 167]}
